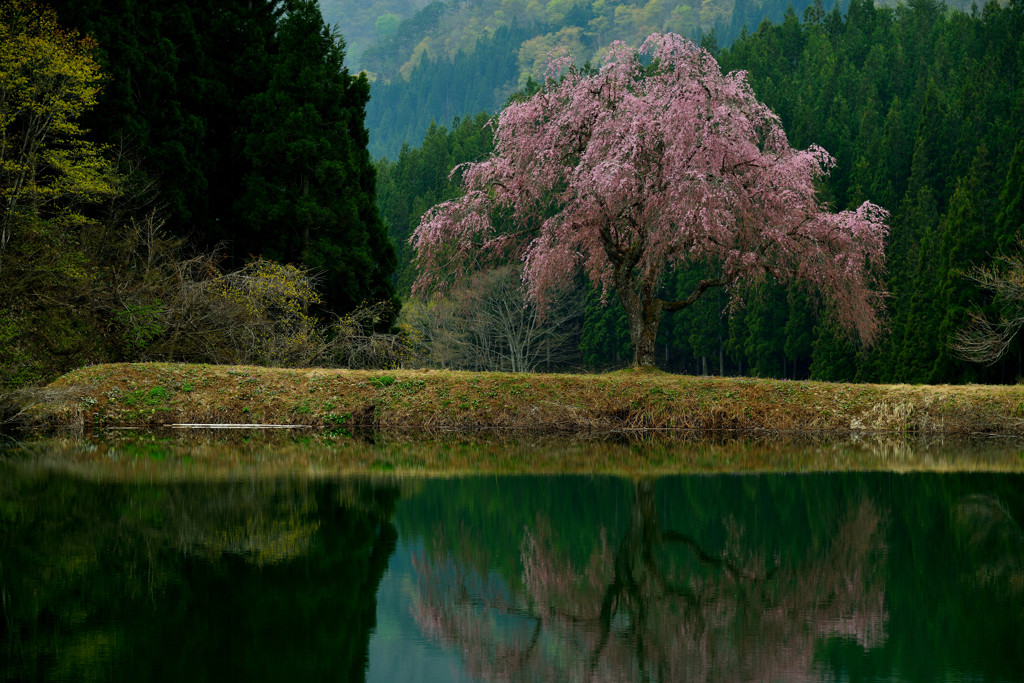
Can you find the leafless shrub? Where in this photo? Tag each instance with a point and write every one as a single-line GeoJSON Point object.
{"type": "Point", "coordinates": [354, 343]}
{"type": "Point", "coordinates": [985, 340]}
{"type": "Point", "coordinates": [491, 325]}
{"type": "Point", "coordinates": [175, 309]}
{"type": "Point", "coordinates": [39, 407]}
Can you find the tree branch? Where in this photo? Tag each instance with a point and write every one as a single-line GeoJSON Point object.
{"type": "Point", "coordinates": [698, 292]}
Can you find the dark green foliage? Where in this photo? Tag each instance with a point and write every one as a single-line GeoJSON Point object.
{"type": "Point", "coordinates": [308, 196]}
{"type": "Point", "coordinates": [420, 178]}
{"type": "Point", "coordinates": [178, 73]}
{"type": "Point", "coordinates": [923, 109]}
{"type": "Point", "coordinates": [605, 340]}
{"type": "Point", "coordinates": [1010, 221]}
{"type": "Point", "coordinates": [247, 119]}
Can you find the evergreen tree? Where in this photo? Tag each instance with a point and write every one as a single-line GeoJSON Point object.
{"type": "Point", "coordinates": [967, 240]}
{"type": "Point", "coordinates": [309, 194]}
{"type": "Point", "coordinates": [1010, 220]}
{"type": "Point", "coordinates": [605, 340]}
{"type": "Point", "coordinates": [421, 178]}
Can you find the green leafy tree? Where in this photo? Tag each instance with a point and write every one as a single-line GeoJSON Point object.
{"type": "Point", "coordinates": [49, 175]}
{"type": "Point", "coordinates": [48, 80]}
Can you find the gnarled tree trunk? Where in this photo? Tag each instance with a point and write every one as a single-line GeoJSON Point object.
{"type": "Point", "coordinates": [643, 312]}
{"type": "Point", "coordinates": [644, 309]}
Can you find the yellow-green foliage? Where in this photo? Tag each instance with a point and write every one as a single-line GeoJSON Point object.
{"type": "Point", "coordinates": [265, 286]}
{"type": "Point", "coordinates": [48, 80]}
{"type": "Point", "coordinates": [626, 20]}
{"type": "Point", "coordinates": [277, 298]}
{"type": "Point", "coordinates": [48, 173]}
{"type": "Point", "coordinates": [535, 53]}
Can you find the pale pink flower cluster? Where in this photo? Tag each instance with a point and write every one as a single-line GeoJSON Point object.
{"type": "Point", "coordinates": [637, 168]}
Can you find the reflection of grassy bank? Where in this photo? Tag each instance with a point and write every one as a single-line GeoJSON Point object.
{"type": "Point", "coordinates": [190, 456]}
{"type": "Point", "coordinates": [154, 394]}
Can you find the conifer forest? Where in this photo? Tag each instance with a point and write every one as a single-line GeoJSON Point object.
{"type": "Point", "coordinates": [217, 181]}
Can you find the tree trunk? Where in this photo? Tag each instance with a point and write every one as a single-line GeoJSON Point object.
{"type": "Point", "coordinates": [643, 312]}
{"type": "Point", "coordinates": [643, 343]}
{"type": "Point", "coordinates": [721, 356]}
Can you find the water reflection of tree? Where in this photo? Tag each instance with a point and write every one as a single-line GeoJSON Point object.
{"type": "Point", "coordinates": [253, 580]}
{"type": "Point", "coordinates": [992, 544]}
{"type": "Point", "coordinates": [639, 611]}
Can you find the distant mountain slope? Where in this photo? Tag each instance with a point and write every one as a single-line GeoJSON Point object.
{"type": "Point", "coordinates": [461, 57]}
{"type": "Point", "coordinates": [364, 22]}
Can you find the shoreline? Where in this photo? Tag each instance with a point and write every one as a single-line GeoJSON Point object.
{"type": "Point", "coordinates": [155, 458]}
{"type": "Point", "coordinates": [154, 396]}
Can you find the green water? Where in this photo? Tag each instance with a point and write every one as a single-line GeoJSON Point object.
{"type": "Point", "coordinates": [849, 577]}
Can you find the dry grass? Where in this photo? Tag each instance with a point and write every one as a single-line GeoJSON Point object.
{"type": "Point", "coordinates": [151, 395]}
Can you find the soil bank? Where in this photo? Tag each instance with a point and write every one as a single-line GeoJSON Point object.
{"type": "Point", "coordinates": [158, 395]}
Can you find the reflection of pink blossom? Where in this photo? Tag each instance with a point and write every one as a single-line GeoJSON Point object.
{"type": "Point", "coordinates": [624, 618]}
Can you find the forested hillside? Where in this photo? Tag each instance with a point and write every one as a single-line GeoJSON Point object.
{"type": "Point", "coordinates": [924, 110]}
{"type": "Point", "coordinates": [148, 148]}
{"type": "Point", "coordinates": [454, 58]}
{"type": "Point", "coordinates": [364, 23]}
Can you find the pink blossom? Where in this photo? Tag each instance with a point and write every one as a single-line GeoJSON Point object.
{"type": "Point", "coordinates": [632, 170]}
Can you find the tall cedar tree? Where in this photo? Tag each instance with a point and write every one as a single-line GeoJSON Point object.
{"type": "Point", "coordinates": [178, 73]}
{"type": "Point", "coordinates": [192, 89]}
{"type": "Point", "coordinates": [309, 195]}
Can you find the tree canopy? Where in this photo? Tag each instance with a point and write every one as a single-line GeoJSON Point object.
{"type": "Point", "coordinates": [252, 126]}
{"type": "Point", "coordinates": [629, 171]}
{"type": "Point", "coordinates": [146, 169]}
{"type": "Point", "coordinates": [48, 80]}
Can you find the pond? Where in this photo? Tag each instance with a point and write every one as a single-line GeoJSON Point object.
{"type": "Point", "coordinates": [822, 576]}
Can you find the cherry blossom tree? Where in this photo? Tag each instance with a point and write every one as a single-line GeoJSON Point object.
{"type": "Point", "coordinates": [637, 168]}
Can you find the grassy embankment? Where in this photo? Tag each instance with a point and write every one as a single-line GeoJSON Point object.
{"type": "Point", "coordinates": [153, 395]}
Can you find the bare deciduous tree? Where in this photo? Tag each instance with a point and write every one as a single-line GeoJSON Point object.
{"type": "Point", "coordinates": [985, 340]}
{"type": "Point", "coordinates": [490, 324]}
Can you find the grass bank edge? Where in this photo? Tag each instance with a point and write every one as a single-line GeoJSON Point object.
{"type": "Point", "coordinates": [154, 395]}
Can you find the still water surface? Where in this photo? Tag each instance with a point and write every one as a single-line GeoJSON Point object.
{"type": "Point", "coordinates": [770, 577]}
